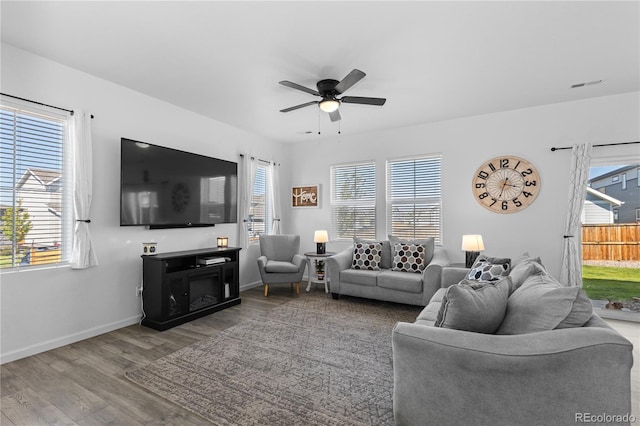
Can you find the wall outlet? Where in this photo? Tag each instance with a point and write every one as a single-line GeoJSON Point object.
{"type": "Point", "coordinates": [138, 291]}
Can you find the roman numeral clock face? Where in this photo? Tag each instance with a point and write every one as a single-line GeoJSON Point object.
{"type": "Point", "coordinates": [506, 184]}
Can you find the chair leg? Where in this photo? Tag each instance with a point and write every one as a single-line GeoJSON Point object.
{"type": "Point", "coordinates": [297, 289]}
{"type": "Point", "coordinates": [266, 290]}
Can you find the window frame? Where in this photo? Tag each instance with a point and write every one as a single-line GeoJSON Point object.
{"type": "Point", "coordinates": [400, 195]}
{"type": "Point", "coordinates": [66, 211]}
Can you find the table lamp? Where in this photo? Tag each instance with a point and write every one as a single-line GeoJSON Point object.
{"type": "Point", "coordinates": [321, 238]}
{"type": "Point", "coordinates": [223, 242]}
{"type": "Point", "coordinates": [472, 245]}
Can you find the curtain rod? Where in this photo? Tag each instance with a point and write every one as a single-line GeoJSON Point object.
{"type": "Point", "coordinates": [260, 159]}
{"type": "Point", "coordinates": [603, 144]}
{"type": "Point", "coordinates": [70, 111]}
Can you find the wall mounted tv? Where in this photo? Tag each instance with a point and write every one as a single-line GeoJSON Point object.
{"type": "Point", "coordinates": [167, 188]}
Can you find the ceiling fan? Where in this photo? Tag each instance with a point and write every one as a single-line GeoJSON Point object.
{"type": "Point", "coordinates": [329, 90]}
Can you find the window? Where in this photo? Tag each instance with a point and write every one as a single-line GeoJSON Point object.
{"type": "Point", "coordinates": [36, 209]}
{"type": "Point", "coordinates": [624, 181]}
{"type": "Point", "coordinates": [353, 201]}
{"type": "Point", "coordinates": [637, 215]}
{"type": "Point", "coordinates": [414, 201]}
{"type": "Point", "coordinates": [260, 220]}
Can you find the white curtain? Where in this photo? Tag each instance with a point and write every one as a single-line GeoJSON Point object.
{"type": "Point", "coordinates": [571, 274]}
{"type": "Point", "coordinates": [248, 167]}
{"type": "Point", "coordinates": [276, 208]}
{"type": "Point", "coordinates": [83, 254]}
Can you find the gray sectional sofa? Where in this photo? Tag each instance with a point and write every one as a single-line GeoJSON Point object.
{"type": "Point", "coordinates": [522, 350]}
{"type": "Point", "coordinates": [382, 280]}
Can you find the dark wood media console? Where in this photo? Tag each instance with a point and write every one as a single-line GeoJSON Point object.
{"type": "Point", "coordinates": [180, 286]}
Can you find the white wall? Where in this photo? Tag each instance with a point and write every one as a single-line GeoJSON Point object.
{"type": "Point", "coordinates": [48, 308]}
{"type": "Point", "coordinates": [465, 144]}
{"type": "Point", "coordinates": [42, 309]}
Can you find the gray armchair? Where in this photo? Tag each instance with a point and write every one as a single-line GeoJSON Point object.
{"type": "Point", "coordinates": [279, 261]}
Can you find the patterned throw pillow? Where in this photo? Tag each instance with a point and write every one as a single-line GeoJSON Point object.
{"type": "Point", "coordinates": [489, 269]}
{"type": "Point", "coordinates": [367, 256]}
{"type": "Point", "coordinates": [408, 257]}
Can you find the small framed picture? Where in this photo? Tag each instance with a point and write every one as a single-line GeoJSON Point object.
{"type": "Point", "coordinates": [305, 196]}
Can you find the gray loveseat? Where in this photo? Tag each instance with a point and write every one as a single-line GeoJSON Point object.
{"type": "Point", "coordinates": [553, 376]}
{"type": "Point", "coordinates": [381, 281]}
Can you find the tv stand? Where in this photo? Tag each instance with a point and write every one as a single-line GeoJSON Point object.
{"type": "Point", "coordinates": [181, 286]}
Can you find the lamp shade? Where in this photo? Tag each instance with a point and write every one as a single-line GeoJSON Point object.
{"type": "Point", "coordinates": [472, 243]}
{"type": "Point", "coordinates": [320, 236]}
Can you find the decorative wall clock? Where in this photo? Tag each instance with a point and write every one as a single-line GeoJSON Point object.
{"type": "Point", "coordinates": [506, 184]}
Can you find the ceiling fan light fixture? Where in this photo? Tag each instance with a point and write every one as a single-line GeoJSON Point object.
{"type": "Point", "coordinates": [329, 105]}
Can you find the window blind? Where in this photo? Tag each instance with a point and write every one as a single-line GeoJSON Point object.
{"type": "Point", "coordinates": [260, 211]}
{"type": "Point", "coordinates": [34, 201]}
{"type": "Point", "coordinates": [414, 197]}
{"type": "Point", "coordinates": [353, 201]}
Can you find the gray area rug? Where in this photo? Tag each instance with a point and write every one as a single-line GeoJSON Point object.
{"type": "Point", "coordinates": [311, 361]}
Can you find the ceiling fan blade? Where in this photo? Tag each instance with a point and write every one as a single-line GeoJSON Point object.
{"type": "Point", "coordinates": [299, 87]}
{"type": "Point", "coordinates": [361, 100]}
{"type": "Point", "coordinates": [335, 115]}
{"type": "Point", "coordinates": [299, 106]}
{"type": "Point", "coordinates": [352, 78]}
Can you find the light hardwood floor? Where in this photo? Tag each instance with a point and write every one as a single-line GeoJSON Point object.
{"type": "Point", "coordinates": [84, 384]}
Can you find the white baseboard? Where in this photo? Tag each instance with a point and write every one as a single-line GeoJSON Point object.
{"type": "Point", "coordinates": [250, 285]}
{"type": "Point", "coordinates": [66, 340]}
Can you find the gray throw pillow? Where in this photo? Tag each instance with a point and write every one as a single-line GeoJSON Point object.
{"type": "Point", "coordinates": [428, 243]}
{"type": "Point", "coordinates": [542, 304]}
{"type": "Point", "coordinates": [523, 270]}
{"type": "Point", "coordinates": [473, 306]}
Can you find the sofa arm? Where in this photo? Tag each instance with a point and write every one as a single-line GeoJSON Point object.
{"type": "Point", "coordinates": [431, 275]}
{"type": "Point", "coordinates": [337, 263]}
{"type": "Point", "coordinates": [453, 275]}
{"type": "Point", "coordinates": [457, 377]}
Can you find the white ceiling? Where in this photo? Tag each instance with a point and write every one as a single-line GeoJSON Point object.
{"type": "Point", "coordinates": [431, 60]}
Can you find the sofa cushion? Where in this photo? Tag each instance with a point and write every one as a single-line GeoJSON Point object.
{"type": "Point", "coordinates": [488, 269]}
{"type": "Point", "coordinates": [280, 266]}
{"type": "Point", "coordinates": [473, 306]}
{"type": "Point", "coordinates": [408, 257]}
{"type": "Point", "coordinates": [360, 276]}
{"type": "Point", "coordinates": [366, 255]}
{"type": "Point", "coordinates": [386, 255]}
{"type": "Point", "coordinates": [430, 312]}
{"type": "Point", "coordinates": [541, 304]}
{"type": "Point", "coordinates": [428, 243]}
{"type": "Point", "coordinates": [401, 281]}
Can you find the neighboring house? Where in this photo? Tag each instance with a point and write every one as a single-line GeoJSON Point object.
{"type": "Point", "coordinates": [599, 208]}
{"type": "Point", "coordinates": [40, 192]}
{"type": "Point", "coordinates": [621, 184]}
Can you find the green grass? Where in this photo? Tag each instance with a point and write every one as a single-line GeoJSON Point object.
{"type": "Point", "coordinates": [603, 282]}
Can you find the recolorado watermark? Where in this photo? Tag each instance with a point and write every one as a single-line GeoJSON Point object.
{"type": "Point", "coordinates": [604, 418]}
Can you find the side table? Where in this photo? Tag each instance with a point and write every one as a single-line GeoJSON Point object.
{"type": "Point", "coordinates": [312, 258]}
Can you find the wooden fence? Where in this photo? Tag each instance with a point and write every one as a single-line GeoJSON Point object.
{"type": "Point", "coordinates": [618, 241]}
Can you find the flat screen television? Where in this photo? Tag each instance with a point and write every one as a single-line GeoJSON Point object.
{"type": "Point", "coordinates": [167, 188]}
